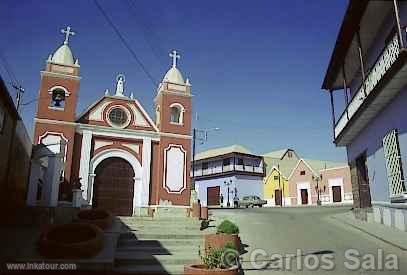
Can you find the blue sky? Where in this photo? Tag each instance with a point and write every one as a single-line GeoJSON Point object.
{"type": "Point", "coordinates": [256, 67]}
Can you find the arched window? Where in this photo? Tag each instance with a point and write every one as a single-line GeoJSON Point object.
{"type": "Point", "coordinates": [58, 95]}
{"type": "Point", "coordinates": [176, 115]}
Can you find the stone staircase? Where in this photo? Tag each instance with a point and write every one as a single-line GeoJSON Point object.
{"type": "Point", "coordinates": [159, 245]}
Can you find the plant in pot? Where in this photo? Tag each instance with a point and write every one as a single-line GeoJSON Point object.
{"type": "Point", "coordinates": [218, 261]}
{"type": "Point", "coordinates": [99, 217]}
{"type": "Point", "coordinates": [227, 232]}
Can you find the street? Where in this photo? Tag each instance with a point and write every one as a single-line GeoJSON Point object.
{"type": "Point", "coordinates": [309, 241]}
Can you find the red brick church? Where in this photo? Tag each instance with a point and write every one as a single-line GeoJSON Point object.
{"type": "Point", "coordinates": [127, 162]}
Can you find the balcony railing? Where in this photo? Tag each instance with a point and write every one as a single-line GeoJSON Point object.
{"type": "Point", "coordinates": [229, 168]}
{"type": "Point", "coordinates": [383, 63]}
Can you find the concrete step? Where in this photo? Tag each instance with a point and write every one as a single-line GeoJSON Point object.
{"type": "Point", "coordinates": [156, 226]}
{"type": "Point", "coordinates": [159, 236]}
{"type": "Point", "coordinates": [159, 250]}
{"type": "Point", "coordinates": [163, 242]}
{"type": "Point", "coordinates": [151, 269]}
{"type": "Point", "coordinates": [146, 258]}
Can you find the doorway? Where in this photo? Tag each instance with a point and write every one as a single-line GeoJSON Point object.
{"type": "Point", "coordinates": [278, 197]}
{"type": "Point", "coordinates": [304, 196]}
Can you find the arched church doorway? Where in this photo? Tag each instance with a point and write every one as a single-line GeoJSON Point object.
{"type": "Point", "coordinates": [113, 187]}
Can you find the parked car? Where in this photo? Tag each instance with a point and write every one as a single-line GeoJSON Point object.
{"type": "Point", "coordinates": [252, 201]}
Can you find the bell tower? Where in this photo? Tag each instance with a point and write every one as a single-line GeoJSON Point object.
{"type": "Point", "coordinates": [57, 100]}
{"type": "Point", "coordinates": [173, 105]}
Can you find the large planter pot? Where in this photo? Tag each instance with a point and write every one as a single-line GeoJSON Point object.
{"type": "Point", "coordinates": [99, 217]}
{"type": "Point", "coordinates": [196, 210]}
{"type": "Point", "coordinates": [71, 241]}
{"type": "Point", "coordinates": [200, 269]}
{"type": "Point", "coordinates": [219, 240]}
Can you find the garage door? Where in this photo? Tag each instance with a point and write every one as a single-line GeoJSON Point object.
{"type": "Point", "coordinates": [213, 195]}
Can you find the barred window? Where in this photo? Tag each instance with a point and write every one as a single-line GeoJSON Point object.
{"type": "Point", "coordinates": [394, 169]}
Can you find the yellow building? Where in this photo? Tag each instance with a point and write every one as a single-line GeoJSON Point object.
{"type": "Point", "coordinates": [279, 165]}
{"type": "Point", "coordinates": [276, 185]}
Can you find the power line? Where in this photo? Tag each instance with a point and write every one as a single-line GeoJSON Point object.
{"type": "Point", "coordinates": [8, 69]}
{"type": "Point", "coordinates": [116, 30]}
{"type": "Point", "coordinates": [154, 47]}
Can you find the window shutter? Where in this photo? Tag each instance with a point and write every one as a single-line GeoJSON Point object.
{"type": "Point", "coordinates": [393, 165]}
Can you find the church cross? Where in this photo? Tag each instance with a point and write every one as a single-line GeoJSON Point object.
{"type": "Point", "coordinates": [174, 56]}
{"type": "Point", "coordinates": [67, 33]}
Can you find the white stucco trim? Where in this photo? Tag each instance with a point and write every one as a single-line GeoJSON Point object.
{"type": "Point", "coordinates": [146, 159]}
{"type": "Point", "coordinates": [165, 134]}
{"type": "Point", "coordinates": [55, 134]}
{"type": "Point", "coordinates": [114, 132]}
{"type": "Point", "coordinates": [67, 93]}
{"type": "Point", "coordinates": [296, 166]}
{"type": "Point", "coordinates": [181, 110]}
{"type": "Point", "coordinates": [336, 182]}
{"type": "Point", "coordinates": [184, 184]}
{"type": "Point", "coordinates": [84, 162]}
{"type": "Point", "coordinates": [146, 115]}
{"type": "Point", "coordinates": [304, 185]}
{"type": "Point", "coordinates": [132, 160]}
{"type": "Point", "coordinates": [107, 119]}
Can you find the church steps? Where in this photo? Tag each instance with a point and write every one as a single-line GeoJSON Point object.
{"type": "Point", "coordinates": [158, 246]}
{"type": "Point", "coordinates": [147, 258]}
{"type": "Point", "coordinates": [163, 269]}
{"type": "Point", "coordinates": [162, 242]}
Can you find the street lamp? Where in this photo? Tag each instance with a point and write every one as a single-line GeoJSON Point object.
{"type": "Point", "coordinates": [318, 179]}
{"type": "Point", "coordinates": [228, 183]}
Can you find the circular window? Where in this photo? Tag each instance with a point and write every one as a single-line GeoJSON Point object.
{"type": "Point", "coordinates": [118, 117]}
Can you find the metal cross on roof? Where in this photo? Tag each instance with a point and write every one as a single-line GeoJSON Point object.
{"type": "Point", "coordinates": [67, 33]}
{"type": "Point", "coordinates": [174, 56]}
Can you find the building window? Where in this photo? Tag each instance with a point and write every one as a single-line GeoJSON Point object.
{"type": "Point", "coordinates": [302, 173]}
{"type": "Point", "coordinates": [57, 98]}
{"type": "Point", "coordinates": [204, 166]}
{"type": "Point", "coordinates": [239, 161]}
{"type": "Point", "coordinates": [176, 113]}
{"type": "Point", "coordinates": [289, 154]}
{"type": "Point", "coordinates": [275, 177]}
{"type": "Point", "coordinates": [226, 162]}
{"type": "Point", "coordinates": [394, 169]}
{"type": "Point", "coordinates": [118, 117]}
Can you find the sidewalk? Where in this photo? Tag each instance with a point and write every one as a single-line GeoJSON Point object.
{"type": "Point", "coordinates": [382, 232]}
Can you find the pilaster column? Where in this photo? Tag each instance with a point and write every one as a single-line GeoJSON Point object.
{"type": "Point", "coordinates": [145, 178]}
{"type": "Point", "coordinates": [84, 162]}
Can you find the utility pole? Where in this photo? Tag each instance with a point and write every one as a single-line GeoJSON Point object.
{"type": "Point", "coordinates": [20, 92]}
{"type": "Point", "coordinates": [202, 136]}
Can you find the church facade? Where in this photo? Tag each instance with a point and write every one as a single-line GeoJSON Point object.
{"type": "Point", "coordinates": [126, 162]}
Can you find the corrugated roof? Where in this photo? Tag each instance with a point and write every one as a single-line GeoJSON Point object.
{"type": "Point", "coordinates": [222, 151]}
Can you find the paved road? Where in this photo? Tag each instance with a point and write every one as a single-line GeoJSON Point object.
{"type": "Point", "coordinates": [319, 237]}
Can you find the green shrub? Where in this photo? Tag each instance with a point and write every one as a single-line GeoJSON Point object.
{"type": "Point", "coordinates": [224, 257]}
{"type": "Point", "coordinates": [228, 227]}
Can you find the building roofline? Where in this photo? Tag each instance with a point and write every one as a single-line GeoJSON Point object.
{"type": "Point", "coordinates": [350, 25]}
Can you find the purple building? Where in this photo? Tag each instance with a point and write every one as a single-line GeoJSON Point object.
{"type": "Point", "coordinates": [366, 79]}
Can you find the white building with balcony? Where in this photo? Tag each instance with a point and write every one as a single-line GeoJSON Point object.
{"type": "Point", "coordinates": [227, 172]}
{"type": "Point", "coordinates": [366, 79]}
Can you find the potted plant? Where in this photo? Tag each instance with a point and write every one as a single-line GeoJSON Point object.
{"type": "Point", "coordinates": [99, 217]}
{"type": "Point", "coordinates": [216, 261]}
{"type": "Point", "coordinates": [71, 241]}
{"type": "Point", "coordinates": [227, 232]}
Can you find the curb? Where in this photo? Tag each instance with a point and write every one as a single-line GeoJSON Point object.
{"type": "Point", "coordinates": [370, 234]}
